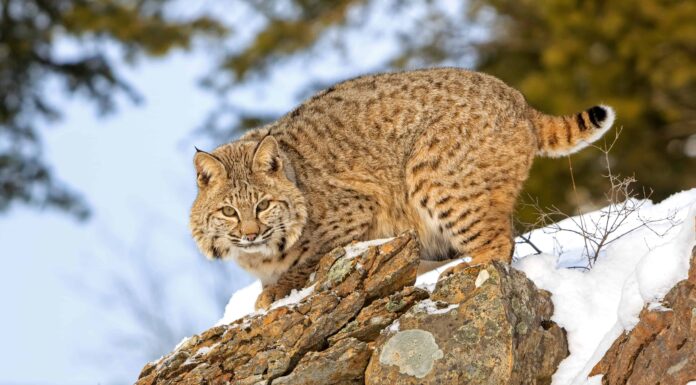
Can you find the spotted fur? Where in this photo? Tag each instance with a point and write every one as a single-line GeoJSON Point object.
{"type": "Point", "coordinates": [442, 151]}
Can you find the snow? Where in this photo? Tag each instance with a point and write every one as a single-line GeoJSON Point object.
{"type": "Point", "coordinates": [203, 350]}
{"type": "Point", "coordinates": [294, 297]}
{"type": "Point", "coordinates": [596, 306]}
{"type": "Point", "coordinates": [243, 300]}
{"type": "Point", "coordinates": [482, 278]}
{"type": "Point", "coordinates": [394, 327]}
{"type": "Point", "coordinates": [241, 303]}
{"type": "Point", "coordinates": [180, 344]}
{"type": "Point", "coordinates": [428, 280]}
{"type": "Point", "coordinates": [638, 266]}
{"type": "Point", "coordinates": [199, 353]}
{"type": "Point", "coordinates": [658, 306]}
{"type": "Point", "coordinates": [358, 248]}
{"type": "Point", "coordinates": [431, 307]}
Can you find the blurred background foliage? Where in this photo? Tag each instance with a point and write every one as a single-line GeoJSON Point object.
{"type": "Point", "coordinates": [30, 63]}
{"type": "Point", "coordinates": [564, 55]}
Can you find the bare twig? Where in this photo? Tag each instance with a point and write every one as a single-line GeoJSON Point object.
{"type": "Point", "coordinates": [611, 223]}
{"type": "Point", "coordinates": [528, 241]}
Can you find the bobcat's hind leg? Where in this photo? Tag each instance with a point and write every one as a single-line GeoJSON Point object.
{"type": "Point", "coordinates": [464, 188]}
{"type": "Point", "coordinates": [474, 220]}
{"type": "Point", "coordinates": [488, 240]}
{"type": "Point", "coordinates": [489, 237]}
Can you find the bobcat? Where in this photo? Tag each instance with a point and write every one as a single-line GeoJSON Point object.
{"type": "Point", "coordinates": [442, 151]}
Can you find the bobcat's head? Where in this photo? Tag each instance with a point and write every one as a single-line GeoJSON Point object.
{"type": "Point", "coordinates": [248, 206]}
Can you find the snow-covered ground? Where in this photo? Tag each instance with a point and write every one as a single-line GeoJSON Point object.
{"type": "Point", "coordinates": [595, 306]}
{"type": "Point", "coordinates": [644, 258]}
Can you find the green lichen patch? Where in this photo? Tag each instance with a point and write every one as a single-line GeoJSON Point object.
{"type": "Point", "coordinates": [339, 271]}
{"type": "Point", "coordinates": [413, 351]}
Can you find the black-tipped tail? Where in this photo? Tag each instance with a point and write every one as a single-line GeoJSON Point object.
{"type": "Point", "coordinates": [564, 135]}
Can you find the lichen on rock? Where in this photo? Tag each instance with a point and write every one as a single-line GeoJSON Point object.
{"type": "Point", "coordinates": [477, 328]}
{"type": "Point", "coordinates": [412, 351]}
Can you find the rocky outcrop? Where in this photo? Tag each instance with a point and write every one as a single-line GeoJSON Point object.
{"type": "Point", "coordinates": [661, 349]}
{"type": "Point", "coordinates": [481, 325]}
{"type": "Point", "coordinates": [363, 321]}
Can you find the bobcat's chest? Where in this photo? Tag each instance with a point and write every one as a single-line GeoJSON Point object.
{"type": "Point", "coordinates": [267, 268]}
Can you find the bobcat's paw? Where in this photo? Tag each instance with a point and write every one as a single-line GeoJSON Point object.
{"type": "Point", "coordinates": [269, 295]}
{"type": "Point", "coordinates": [466, 262]}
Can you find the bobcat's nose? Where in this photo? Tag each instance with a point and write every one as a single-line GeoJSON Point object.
{"type": "Point", "coordinates": [250, 230]}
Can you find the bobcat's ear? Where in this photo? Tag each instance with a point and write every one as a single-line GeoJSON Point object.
{"type": "Point", "coordinates": [208, 168]}
{"type": "Point", "coordinates": [267, 157]}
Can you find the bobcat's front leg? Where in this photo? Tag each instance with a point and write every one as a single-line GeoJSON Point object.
{"type": "Point", "coordinates": [308, 252]}
{"type": "Point", "coordinates": [270, 294]}
{"type": "Point", "coordinates": [295, 278]}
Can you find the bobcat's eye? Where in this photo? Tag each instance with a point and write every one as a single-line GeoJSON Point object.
{"type": "Point", "coordinates": [262, 206]}
{"type": "Point", "coordinates": [229, 211]}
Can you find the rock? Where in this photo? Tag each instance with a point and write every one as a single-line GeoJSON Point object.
{"type": "Point", "coordinates": [661, 348]}
{"type": "Point", "coordinates": [342, 363]}
{"type": "Point", "coordinates": [364, 322]}
{"type": "Point", "coordinates": [381, 313]}
{"type": "Point", "coordinates": [413, 351]}
{"type": "Point", "coordinates": [258, 349]}
{"type": "Point", "coordinates": [482, 325]}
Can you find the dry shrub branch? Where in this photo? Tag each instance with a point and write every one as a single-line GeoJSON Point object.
{"type": "Point", "coordinates": [611, 223]}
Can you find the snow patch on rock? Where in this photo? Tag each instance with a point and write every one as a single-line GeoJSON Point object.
{"type": "Point", "coordinates": [428, 280]}
{"type": "Point", "coordinates": [358, 248]}
{"type": "Point", "coordinates": [294, 297]}
{"type": "Point", "coordinates": [481, 278]}
{"type": "Point", "coordinates": [431, 307]}
{"type": "Point", "coordinates": [241, 303]}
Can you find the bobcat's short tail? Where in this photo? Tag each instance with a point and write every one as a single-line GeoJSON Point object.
{"type": "Point", "coordinates": [564, 135]}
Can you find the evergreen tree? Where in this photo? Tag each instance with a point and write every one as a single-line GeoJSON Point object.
{"type": "Point", "coordinates": [29, 30]}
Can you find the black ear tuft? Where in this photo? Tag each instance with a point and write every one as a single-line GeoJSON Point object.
{"type": "Point", "coordinates": [208, 167]}
{"type": "Point", "coordinates": [267, 157]}
{"type": "Point", "coordinates": [198, 149]}
{"type": "Point", "coordinates": [597, 115]}
{"type": "Point", "coordinates": [203, 178]}
{"type": "Point", "coordinates": [274, 165]}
